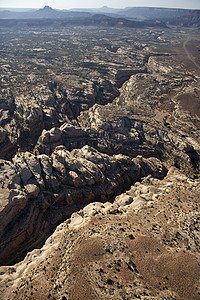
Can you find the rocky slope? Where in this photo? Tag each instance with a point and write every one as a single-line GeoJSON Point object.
{"type": "Point", "coordinates": [146, 117]}
{"type": "Point", "coordinates": [39, 192]}
{"type": "Point", "coordinates": [143, 246]}
{"type": "Point", "coordinates": [109, 137]}
{"type": "Point", "coordinates": [191, 18]}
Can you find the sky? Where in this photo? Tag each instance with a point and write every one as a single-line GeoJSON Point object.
{"type": "Point", "coordinates": [63, 4]}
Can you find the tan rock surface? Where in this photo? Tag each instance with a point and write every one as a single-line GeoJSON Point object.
{"type": "Point", "coordinates": [39, 192]}
{"type": "Point", "coordinates": [117, 251]}
{"type": "Point", "coordinates": [89, 127]}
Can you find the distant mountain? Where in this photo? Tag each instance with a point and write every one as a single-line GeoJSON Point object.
{"type": "Point", "coordinates": [135, 13]}
{"type": "Point", "coordinates": [50, 13]}
{"type": "Point", "coordinates": [43, 13]}
{"type": "Point", "coordinates": [92, 20]}
{"type": "Point", "coordinates": [104, 10]}
{"type": "Point", "coordinates": [192, 18]}
{"type": "Point", "coordinates": [183, 17]}
{"type": "Point", "coordinates": [140, 13]}
{"type": "Point", "coordinates": [47, 12]}
{"type": "Point", "coordinates": [75, 17]}
{"type": "Point", "coordinates": [153, 12]}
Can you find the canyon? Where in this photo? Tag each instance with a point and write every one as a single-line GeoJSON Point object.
{"type": "Point", "coordinates": [99, 162]}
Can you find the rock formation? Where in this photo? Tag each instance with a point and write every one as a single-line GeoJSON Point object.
{"type": "Point", "coordinates": [99, 135]}
{"type": "Point", "coordinates": [145, 244]}
{"type": "Point", "coordinates": [39, 192]}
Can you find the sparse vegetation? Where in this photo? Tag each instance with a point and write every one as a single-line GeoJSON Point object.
{"type": "Point", "coordinates": [88, 113]}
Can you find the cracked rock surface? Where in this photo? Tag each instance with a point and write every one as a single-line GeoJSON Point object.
{"type": "Point", "coordinates": [99, 163]}
{"type": "Point", "coordinates": [144, 245]}
{"type": "Point", "coordinates": [39, 192]}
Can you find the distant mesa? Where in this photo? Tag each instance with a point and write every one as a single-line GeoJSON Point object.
{"type": "Point", "coordinates": [47, 7]}
{"type": "Point", "coordinates": [181, 17]}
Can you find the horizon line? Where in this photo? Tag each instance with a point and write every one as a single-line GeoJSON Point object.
{"type": "Point", "coordinates": [136, 6]}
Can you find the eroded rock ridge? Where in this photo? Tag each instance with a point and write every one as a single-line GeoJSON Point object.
{"type": "Point", "coordinates": [99, 129]}
{"type": "Point", "coordinates": [39, 192]}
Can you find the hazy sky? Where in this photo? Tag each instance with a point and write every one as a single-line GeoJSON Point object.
{"type": "Point", "coordinates": [193, 4]}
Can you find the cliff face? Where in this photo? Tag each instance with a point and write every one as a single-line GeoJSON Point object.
{"type": "Point", "coordinates": [191, 18]}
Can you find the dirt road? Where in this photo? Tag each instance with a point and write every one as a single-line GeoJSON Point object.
{"type": "Point", "coordinates": [189, 55]}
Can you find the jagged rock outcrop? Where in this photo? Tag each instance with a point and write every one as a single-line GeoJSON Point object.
{"type": "Point", "coordinates": [111, 129]}
{"type": "Point", "coordinates": [148, 118]}
{"type": "Point", "coordinates": [70, 136]}
{"type": "Point", "coordinates": [39, 192]}
{"type": "Point", "coordinates": [7, 148]}
{"type": "Point", "coordinates": [49, 105]}
{"type": "Point", "coordinates": [148, 97]}
{"type": "Point", "coordinates": [139, 135]}
{"type": "Point", "coordinates": [145, 244]}
{"type": "Point", "coordinates": [85, 115]}
{"type": "Point", "coordinates": [136, 124]}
